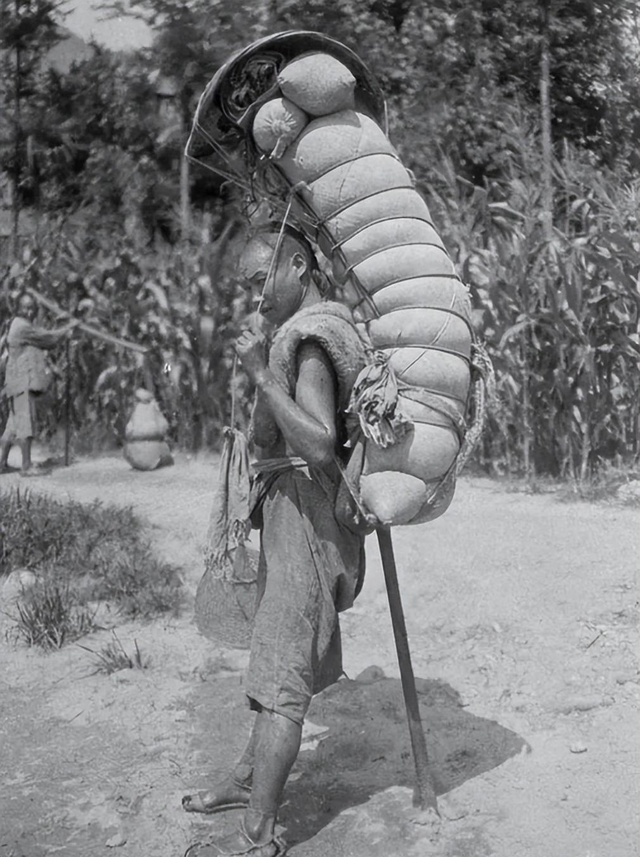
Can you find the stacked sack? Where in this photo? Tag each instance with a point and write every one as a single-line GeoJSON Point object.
{"type": "Point", "coordinates": [146, 447]}
{"type": "Point", "coordinates": [355, 198]}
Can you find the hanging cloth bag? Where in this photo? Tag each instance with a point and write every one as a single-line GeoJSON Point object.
{"type": "Point", "coordinates": [225, 602]}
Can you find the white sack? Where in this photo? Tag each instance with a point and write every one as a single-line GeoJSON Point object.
{"type": "Point", "coordinates": [276, 125]}
{"type": "Point", "coordinates": [318, 84]}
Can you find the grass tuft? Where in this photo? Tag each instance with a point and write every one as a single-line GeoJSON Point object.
{"type": "Point", "coordinates": [113, 657]}
{"type": "Point", "coordinates": [49, 614]}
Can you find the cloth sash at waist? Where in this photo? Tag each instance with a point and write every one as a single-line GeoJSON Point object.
{"type": "Point", "coordinates": [277, 465]}
{"type": "Point", "coordinates": [267, 470]}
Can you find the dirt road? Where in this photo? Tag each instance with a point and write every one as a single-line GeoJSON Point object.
{"type": "Point", "coordinates": [521, 612]}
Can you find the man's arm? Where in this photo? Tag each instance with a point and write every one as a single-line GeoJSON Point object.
{"type": "Point", "coordinates": [307, 422]}
{"type": "Point", "coordinates": [38, 337]}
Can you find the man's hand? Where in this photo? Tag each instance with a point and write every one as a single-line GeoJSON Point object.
{"type": "Point", "coordinates": [251, 349]}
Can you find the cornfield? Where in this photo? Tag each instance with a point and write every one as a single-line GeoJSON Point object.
{"type": "Point", "coordinates": [176, 301]}
{"type": "Point", "coordinates": [560, 318]}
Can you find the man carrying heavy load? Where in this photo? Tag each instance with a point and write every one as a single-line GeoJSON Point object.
{"type": "Point", "coordinates": [26, 379]}
{"type": "Point", "coordinates": [311, 566]}
{"type": "Point", "coordinates": [296, 118]}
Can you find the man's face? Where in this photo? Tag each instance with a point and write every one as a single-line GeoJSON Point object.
{"type": "Point", "coordinates": [276, 293]}
{"type": "Point", "coordinates": [27, 307]}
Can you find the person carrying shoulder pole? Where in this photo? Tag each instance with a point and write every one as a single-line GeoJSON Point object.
{"type": "Point", "coordinates": [27, 379]}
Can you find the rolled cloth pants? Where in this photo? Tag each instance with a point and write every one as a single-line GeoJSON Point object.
{"type": "Point", "coordinates": [310, 569]}
{"type": "Point", "coordinates": [23, 417]}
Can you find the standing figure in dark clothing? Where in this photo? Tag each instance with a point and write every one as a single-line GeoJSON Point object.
{"type": "Point", "coordinates": [26, 379]}
{"type": "Point", "coordinates": [311, 565]}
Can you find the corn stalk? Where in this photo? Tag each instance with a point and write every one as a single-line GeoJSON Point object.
{"type": "Point", "coordinates": [560, 316]}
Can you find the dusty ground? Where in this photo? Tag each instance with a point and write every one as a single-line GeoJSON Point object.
{"type": "Point", "coordinates": [522, 618]}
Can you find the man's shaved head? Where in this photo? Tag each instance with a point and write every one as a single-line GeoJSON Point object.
{"type": "Point", "coordinates": [258, 253]}
{"type": "Point", "coordinates": [27, 307]}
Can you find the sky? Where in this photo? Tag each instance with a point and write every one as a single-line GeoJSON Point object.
{"type": "Point", "coordinates": [119, 34]}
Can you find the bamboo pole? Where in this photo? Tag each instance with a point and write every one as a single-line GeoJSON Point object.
{"type": "Point", "coordinates": [545, 120]}
{"type": "Point", "coordinates": [53, 307]}
{"type": "Point", "coordinates": [424, 794]}
{"type": "Point", "coordinates": [67, 395]}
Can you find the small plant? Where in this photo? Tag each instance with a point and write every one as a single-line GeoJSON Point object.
{"type": "Point", "coordinates": [49, 614]}
{"type": "Point", "coordinates": [113, 657]}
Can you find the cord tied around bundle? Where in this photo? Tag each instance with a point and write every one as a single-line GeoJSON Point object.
{"type": "Point", "coordinates": [482, 390]}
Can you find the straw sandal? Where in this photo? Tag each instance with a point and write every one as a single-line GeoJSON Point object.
{"type": "Point", "coordinates": [274, 847]}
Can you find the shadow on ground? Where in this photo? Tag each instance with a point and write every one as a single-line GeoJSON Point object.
{"type": "Point", "coordinates": [367, 748]}
{"type": "Point", "coordinates": [364, 746]}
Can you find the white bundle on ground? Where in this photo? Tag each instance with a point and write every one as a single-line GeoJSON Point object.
{"type": "Point", "coordinates": [401, 284]}
{"type": "Point", "coordinates": [146, 448]}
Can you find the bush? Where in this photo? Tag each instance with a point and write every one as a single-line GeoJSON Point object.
{"type": "Point", "coordinates": [85, 553]}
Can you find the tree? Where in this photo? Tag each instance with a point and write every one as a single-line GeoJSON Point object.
{"type": "Point", "coordinates": [192, 39]}
{"type": "Point", "coordinates": [29, 29]}
{"type": "Point", "coordinates": [102, 110]}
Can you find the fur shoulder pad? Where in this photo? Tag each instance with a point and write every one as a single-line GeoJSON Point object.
{"type": "Point", "coordinates": [331, 326]}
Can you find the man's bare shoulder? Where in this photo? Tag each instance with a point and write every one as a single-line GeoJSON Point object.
{"type": "Point", "coordinates": [311, 350]}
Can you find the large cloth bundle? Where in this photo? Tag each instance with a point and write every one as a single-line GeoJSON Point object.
{"type": "Point", "coordinates": [398, 279]}
{"type": "Point", "coordinates": [297, 118]}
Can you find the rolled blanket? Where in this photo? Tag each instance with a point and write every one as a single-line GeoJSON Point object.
{"type": "Point", "coordinates": [398, 279]}
{"type": "Point", "coordinates": [345, 185]}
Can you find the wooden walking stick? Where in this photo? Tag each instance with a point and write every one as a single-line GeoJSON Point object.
{"type": "Point", "coordinates": [67, 405]}
{"type": "Point", "coordinates": [67, 392]}
{"type": "Point", "coordinates": [424, 794]}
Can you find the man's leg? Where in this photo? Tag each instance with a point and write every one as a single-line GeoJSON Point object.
{"type": "Point", "coordinates": [277, 746]}
{"type": "Point", "coordinates": [277, 749]}
{"type": "Point", "coordinates": [8, 437]}
{"type": "Point", "coordinates": [25, 446]}
{"type": "Point", "coordinates": [5, 448]}
{"type": "Point", "coordinates": [24, 416]}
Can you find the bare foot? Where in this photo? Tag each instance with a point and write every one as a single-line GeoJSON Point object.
{"type": "Point", "coordinates": [228, 794]}
{"type": "Point", "coordinates": [35, 470]}
{"type": "Point", "coordinates": [30, 471]}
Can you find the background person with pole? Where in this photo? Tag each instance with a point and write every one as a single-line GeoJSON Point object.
{"type": "Point", "coordinates": [27, 378]}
